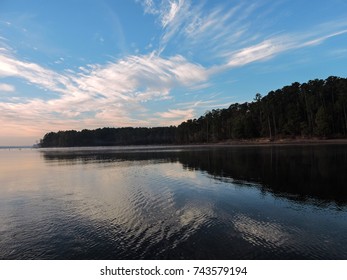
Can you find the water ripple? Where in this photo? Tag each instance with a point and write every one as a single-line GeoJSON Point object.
{"type": "Point", "coordinates": [136, 207]}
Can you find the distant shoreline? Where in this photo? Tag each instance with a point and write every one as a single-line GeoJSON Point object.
{"type": "Point", "coordinates": [17, 147]}
{"type": "Point", "coordinates": [228, 143]}
{"type": "Point", "coordinates": [245, 142]}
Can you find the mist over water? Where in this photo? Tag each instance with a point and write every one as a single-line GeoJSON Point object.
{"type": "Point", "coordinates": [273, 202]}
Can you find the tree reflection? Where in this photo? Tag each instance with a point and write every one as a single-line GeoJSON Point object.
{"type": "Point", "coordinates": [299, 172]}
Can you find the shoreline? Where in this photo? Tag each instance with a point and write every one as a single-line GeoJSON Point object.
{"type": "Point", "coordinates": [284, 141]}
{"type": "Point", "coordinates": [229, 143]}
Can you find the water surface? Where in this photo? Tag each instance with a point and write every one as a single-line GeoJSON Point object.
{"type": "Point", "coordinates": [273, 202]}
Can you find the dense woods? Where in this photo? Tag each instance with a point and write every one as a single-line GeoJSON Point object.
{"type": "Point", "coordinates": [317, 108]}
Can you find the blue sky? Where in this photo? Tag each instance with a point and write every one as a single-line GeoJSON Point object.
{"type": "Point", "coordinates": [88, 64]}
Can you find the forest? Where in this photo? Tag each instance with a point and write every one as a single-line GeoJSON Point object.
{"type": "Point", "coordinates": [317, 108]}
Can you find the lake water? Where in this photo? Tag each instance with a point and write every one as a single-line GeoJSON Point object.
{"type": "Point", "coordinates": [273, 202]}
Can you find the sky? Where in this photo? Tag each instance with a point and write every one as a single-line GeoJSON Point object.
{"type": "Point", "coordinates": [85, 64]}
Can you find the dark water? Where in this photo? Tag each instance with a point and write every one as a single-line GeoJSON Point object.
{"type": "Point", "coordinates": [280, 202]}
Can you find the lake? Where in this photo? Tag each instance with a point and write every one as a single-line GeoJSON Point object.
{"type": "Point", "coordinates": [243, 202]}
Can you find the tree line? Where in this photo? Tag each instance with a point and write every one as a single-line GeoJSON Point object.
{"type": "Point", "coordinates": [317, 108]}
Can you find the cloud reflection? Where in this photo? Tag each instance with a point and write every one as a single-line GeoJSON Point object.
{"type": "Point", "coordinates": [266, 234]}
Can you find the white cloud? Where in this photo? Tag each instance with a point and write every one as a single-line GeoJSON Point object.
{"type": "Point", "coordinates": [226, 32]}
{"type": "Point", "coordinates": [213, 102]}
{"type": "Point", "coordinates": [97, 96]}
{"type": "Point", "coordinates": [319, 40]}
{"type": "Point", "coordinates": [111, 94]}
{"type": "Point", "coordinates": [262, 51]}
{"type": "Point", "coordinates": [173, 116]}
{"type": "Point", "coordinates": [139, 78]}
{"type": "Point", "coordinates": [122, 80]}
{"type": "Point", "coordinates": [210, 30]}
{"type": "Point", "coordinates": [33, 73]}
{"type": "Point", "coordinates": [276, 45]}
{"type": "Point", "coordinates": [172, 15]}
{"type": "Point", "coordinates": [177, 114]}
{"type": "Point", "coordinates": [149, 7]}
{"type": "Point", "coordinates": [7, 88]}
{"type": "Point", "coordinates": [166, 10]}
{"type": "Point", "coordinates": [173, 10]}
{"type": "Point", "coordinates": [220, 25]}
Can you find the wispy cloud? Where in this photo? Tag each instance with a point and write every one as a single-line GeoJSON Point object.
{"type": "Point", "coordinates": [218, 29]}
{"type": "Point", "coordinates": [172, 15]}
{"type": "Point", "coordinates": [209, 30]}
{"type": "Point", "coordinates": [173, 116]}
{"type": "Point", "coordinates": [121, 91]}
{"type": "Point", "coordinates": [7, 88]}
{"type": "Point", "coordinates": [225, 31]}
{"type": "Point", "coordinates": [98, 95]}
{"type": "Point", "coordinates": [207, 104]}
{"type": "Point", "coordinates": [338, 53]}
{"type": "Point", "coordinates": [166, 10]}
{"type": "Point", "coordinates": [321, 39]}
{"type": "Point", "coordinates": [173, 10]}
{"type": "Point", "coordinates": [275, 46]}
{"type": "Point", "coordinates": [262, 51]}
{"type": "Point", "coordinates": [32, 72]}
